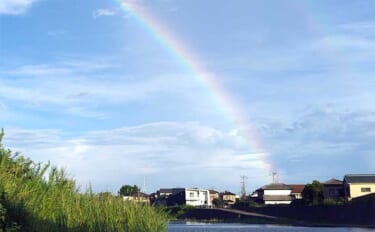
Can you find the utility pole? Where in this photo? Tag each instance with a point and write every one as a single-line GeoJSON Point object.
{"type": "Point", "coordinates": [243, 186]}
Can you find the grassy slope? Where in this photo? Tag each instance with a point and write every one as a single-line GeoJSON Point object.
{"type": "Point", "coordinates": [37, 197]}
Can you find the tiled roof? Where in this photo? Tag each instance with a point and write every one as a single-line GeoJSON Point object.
{"type": "Point", "coordinates": [227, 193]}
{"type": "Point", "coordinates": [333, 182]}
{"type": "Point", "coordinates": [213, 191]}
{"type": "Point", "coordinates": [360, 178]}
{"type": "Point", "coordinates": [277, 186]}
{"type": "Point", "coordinates": [277, 198]}
{"type": "Point", "coordinates": [297, 188]}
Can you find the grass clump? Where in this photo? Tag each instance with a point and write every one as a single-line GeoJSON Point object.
{"type": "Point", "coordinates": [38, 197]}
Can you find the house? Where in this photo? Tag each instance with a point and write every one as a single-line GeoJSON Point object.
{"type": "Point", "coordinates": [137, 197]}
{"type": "Point", "coordinates": [356, 185]}
{"type": "Point", "coordinates": [276, 193]}
{"type": "Point", "coordinates": [165, 192]}
{"type": "Point", "coordinates": [333, 189]}
{"type": "Point", "coordinates": [162, 196]}
{"type": "Point", "coordinates": [197, 197]}
{"type": "Point", "coordinates": [228, 198]}
{"type": "Point", "coordinates": [185, 196]}
{"type": "Point", "coordinates": [297, 191]}
{"type": "Point", "coordinates": [213, 195]}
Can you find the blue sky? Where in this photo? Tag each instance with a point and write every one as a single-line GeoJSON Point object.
{"type": "Point", "coordinates": [85, 86]}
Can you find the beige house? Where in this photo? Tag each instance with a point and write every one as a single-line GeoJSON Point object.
{"type": "Point", "coordinates": [138, 197]}
{"type": "Point", "coordinates": [275, 193]}
{"type": "Point", "coordinates": [213, 195]}
{"type": "Point", "coordinates": [356, 185]}
{"type": "Point", "coordinates": [228, 197]}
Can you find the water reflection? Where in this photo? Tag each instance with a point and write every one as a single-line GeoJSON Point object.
{"type": "Point", "coordinates": [234, 227]}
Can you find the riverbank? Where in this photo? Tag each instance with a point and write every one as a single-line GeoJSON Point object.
{"type": "Point", "coordinates": [357, 213]}
{"type": "Point", "coordinates": [241, 227]}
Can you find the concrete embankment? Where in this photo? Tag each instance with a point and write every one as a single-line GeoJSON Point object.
{"type": "Point", "coordinates": [358, 212]}
{"type": "Point", "coordinates": [229, 215]}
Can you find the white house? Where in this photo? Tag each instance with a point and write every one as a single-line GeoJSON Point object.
{"type": "Point", "coordinates": [276, 193]}
{"type": "Point", "coordinates": [185, 196]}
{"type": "Point", "coordinates": [197, 197]}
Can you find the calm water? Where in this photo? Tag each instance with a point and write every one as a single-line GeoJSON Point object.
{"type": "Point", "coordinates": [218, 227]}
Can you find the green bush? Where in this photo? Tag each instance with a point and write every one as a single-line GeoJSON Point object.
{"type": "Point", "coordinates": [37, 197]}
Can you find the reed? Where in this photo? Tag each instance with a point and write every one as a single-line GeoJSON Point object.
{"type": "Point", "coordinates": [40, 197]}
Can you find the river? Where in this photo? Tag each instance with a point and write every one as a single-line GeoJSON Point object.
{"type": "Point", "coordinates": [233, 227]}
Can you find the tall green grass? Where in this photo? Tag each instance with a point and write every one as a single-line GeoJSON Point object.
{"type": "Point", "coordinates": [38, 197]}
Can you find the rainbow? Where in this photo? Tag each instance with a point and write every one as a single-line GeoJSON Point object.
{"type": "Point", "coordinates": [187, 59]}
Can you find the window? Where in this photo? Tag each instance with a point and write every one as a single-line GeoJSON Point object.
{"type": "Point", "coordinates": [191, 194]}
{"type": "Point", "coordinates": [365, 190]}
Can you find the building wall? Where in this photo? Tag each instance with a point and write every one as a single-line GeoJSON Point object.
{"type": "Point", "coordinates": [229, 198]}
{"type": "Point", "coordinates": [214, 196]}
{"type": "Point", "coordinates": [360, 189]}
{"type": "Point", "coordinates": [277, 192]}
{"type": "Point", "coordinates": [333, 192]}
{"type": "Point", "coordinates": [297, 195]}
{"type": "Point", "coordinates": [197, 197]}
{"type": "Point", "coordinates": [136, 199]}
{"type": "Point", "coordinates": [276, 202]}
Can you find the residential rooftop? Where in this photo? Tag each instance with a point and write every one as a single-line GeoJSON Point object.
{"type": "Point", "coordinates": [276, 186]}
{"type": "Point", "coordinates": [333, 182]}
{"type": "Point", "coordinates": [297, 188]}
{"type": "Point", "coordinates": [359, 178]}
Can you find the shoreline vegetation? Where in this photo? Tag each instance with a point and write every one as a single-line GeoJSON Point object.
{"type": "Point", "coordinates": [358, 213]}
{"type": "Point", "coordinates": [40, 197]}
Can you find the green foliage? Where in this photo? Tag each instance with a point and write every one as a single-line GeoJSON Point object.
{"type": "Point", "coordinates": [218, 202]}
{"type": "Point", "coordinates": [313, 193]}
{"type": "Point", "coordinates": [37, 197]}
{"type": "Point", "coordinates": [128, 190]}
{"type": "Point", "coordinates": [246, 204]}
{"type": "Point", "coordinates": [178, 210]}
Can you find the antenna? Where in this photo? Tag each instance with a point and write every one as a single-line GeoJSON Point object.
{"type": "Point", "coordinates": [274, 177]}
{"type": "Point", "coordinates": [144, 184]}
{"type": "Point", "coordinates": [243, 187]}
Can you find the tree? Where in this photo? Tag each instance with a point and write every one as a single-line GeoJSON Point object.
{"type": "Point", "coordinates": [128, 190]}
{"type": "Point", "coordinates": [313, 193]}
{"type": "Point", "coordinates": [218, 202]}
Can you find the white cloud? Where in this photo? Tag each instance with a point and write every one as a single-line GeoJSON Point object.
{"type": "Point", "coordinates": [324, 137]}
{"type": "Point", "coordinates": [168, 153]}
{"type": "Point", "coordinates": [15, 7]}
{"type": "Point", "coordinates": [103, 12]}
{"type": "Point", "coordinates": [80, 87]}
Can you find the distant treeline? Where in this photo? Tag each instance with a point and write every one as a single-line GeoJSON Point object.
{"type": "Point", "coordinates": [38, 197]}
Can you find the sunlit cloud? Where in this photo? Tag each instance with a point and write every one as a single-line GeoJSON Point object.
{"type": "Point", "coordinates": [15, 7]}
{"type": "Point", "coordinates": [143, 150]}
{"type": "Point", "coordinates": [103, 12]}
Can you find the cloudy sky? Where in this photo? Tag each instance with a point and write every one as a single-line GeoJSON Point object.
{"type": "Point", "coordinates": [190, 93]}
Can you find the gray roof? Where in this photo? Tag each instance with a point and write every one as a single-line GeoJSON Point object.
{"type": "Point", "coordinates": [360, 178]}
{"type": "Point", "coordinates": [170, 190]}
{"type": "Point", "coordinates": [277, 186]}
{"type": "Point", "coordinates": [277, 198]}
{"type": "Point", "coordinates": [227, 193]}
